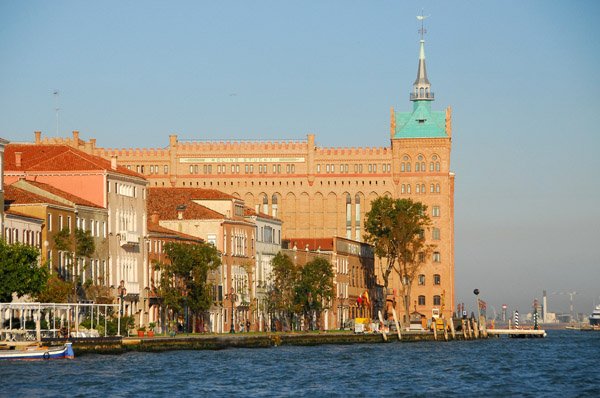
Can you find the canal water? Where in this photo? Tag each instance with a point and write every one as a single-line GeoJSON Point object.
{"type": "Point", "coordinates": [565, 364]}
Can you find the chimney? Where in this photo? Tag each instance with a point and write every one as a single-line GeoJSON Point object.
{"type": "Point", "coordinates": [18, 159]}
{"type": "Point", "coordinates": [180, 210]}
{"type": "Point", "coordinates": [155, 218]}
{"type": "Point", "coordinates": [38, 137]}
{"type": "Point", "coordinates": [113, 162]}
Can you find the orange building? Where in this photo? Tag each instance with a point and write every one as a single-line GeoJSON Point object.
{"type": "Point", "coordinates": [322, 192]}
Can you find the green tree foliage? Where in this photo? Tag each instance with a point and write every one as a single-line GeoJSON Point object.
{"type": "Point", "coordinates": [186, 272]}
{"type": "Point", "coordinates": [285, 276]}
{"type": "Point", "coordinates": [19, 271]}
{"type": "Point", "coordinates": [316, 281]}
{"type": "Point", "coordinates": [314, 290]}
{"type": "Point", "coordinates": [396, 228]}
{"type": "Point", "coordinates": [379, 227]}
{"type": "Point", "coordinates": [84, 243]}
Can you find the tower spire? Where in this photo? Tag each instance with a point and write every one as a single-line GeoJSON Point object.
{"type": "Point", "coordinates": [422, 85]}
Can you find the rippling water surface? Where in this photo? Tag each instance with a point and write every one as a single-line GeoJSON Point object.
{"type": "Point", "coordinates": [565, 364]}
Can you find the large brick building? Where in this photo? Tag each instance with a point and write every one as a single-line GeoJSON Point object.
{"type": "Point", "coordinates": [322, 192]}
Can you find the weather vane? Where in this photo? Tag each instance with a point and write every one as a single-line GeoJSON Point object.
{"type": "Point", "coordinates": [422, 17]}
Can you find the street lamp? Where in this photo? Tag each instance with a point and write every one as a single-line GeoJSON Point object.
{"type": "Point", "coordinates": [476, 293]}
{"type": "Point", "coordinates": [310, 302]}
{"type": "Point", "coordinates": [341, 312]}
{"type": "Point", "coordinates": [185, 311]}
{"type": "Point", "coordinates": [232, 297]}
{"type": "Point", "coordinates": [273, 327]}
{"type": "Point", "coordinates": [122, 292]}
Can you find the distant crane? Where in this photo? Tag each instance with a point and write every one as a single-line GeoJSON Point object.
{"type": "Point", "coordinates": [571, 294]}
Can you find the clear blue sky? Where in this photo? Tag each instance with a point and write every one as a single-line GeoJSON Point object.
{"type": "Point", "coordinates": [522, 79]}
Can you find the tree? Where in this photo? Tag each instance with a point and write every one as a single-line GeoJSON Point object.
{"type": "Point", "coordinates": [285, 275]}
{"type": "Point", "coordinates": [183, 279]}
{"type": "Point", "coordinates": [396, 228]}
{"type": "Point", "coordinates": [19, 271]}
{"type": "Point", "coordinates": [379, 228]}
{"type": "Point", "coordinates": [314, 290]}
{"type": "Point", "coordinates": [57, 291]}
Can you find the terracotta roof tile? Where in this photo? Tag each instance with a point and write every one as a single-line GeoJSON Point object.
{"type": "Point", "coordinates": [14, 196]}
{"type": "Point", "coordinates": [56, 158]}
{"type": "Point", "coordinates": [248, 212]}
{"type": "Point", "coordinates": [165, 201]}
{"type": "Point", "coordinates": [65, 195]}
{"type": "Point", "coordinates": [156, 228]}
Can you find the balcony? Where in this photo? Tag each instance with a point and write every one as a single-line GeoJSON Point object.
{"type": "Point", "coordinates": [130, 238]}
{"type": "Point", "coordinates": [132, 288]}
{"type": "Point", "coordinates": [422, 96]}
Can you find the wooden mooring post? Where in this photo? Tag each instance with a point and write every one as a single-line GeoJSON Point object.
{"type": "Point", "coordinates": [434, 325]}
{"type": "Point", "coordinates": [396, 322]}
{"type": "Point", "coordinates": [383, 327]}
{"type": "Point", "coordinates": [445, 329]}
{"type": "Point", "coordinates": [452, 329]}
{"type": "Point", "coordinates": [464, 329]}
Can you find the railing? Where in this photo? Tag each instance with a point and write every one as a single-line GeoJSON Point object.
{"type": "Point", "coordinates": [130, 238]}
{"type": "Point", "coordinates": [132, 287]}
{"type": "Point", "coordinates": [425, 96]}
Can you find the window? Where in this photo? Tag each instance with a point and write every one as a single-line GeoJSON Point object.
{"type": "Point", "coordinates": [432, 188]}
{"type": "Point", "coordinates": [191, 169]}
{"type": "Point", "coordinates": [166, 172]}
{"type": "Point", "coordinates": [421, 300]}
{"type": "Point", "coordinates": [436, 257]}
{"type": "Point", "coordinates": [370, 168]}
{"type": "Point", "coordinates": [423, 188]}
{"type": "Point", "coordinates": [327, 168]}
{"type": "Point", "coordinates": [421, 280]}
{"type": "Point", "coordinates": [60, 223]}
{"type": "Point", "coordinates": [436, 234]}
{"type": "Point", "coordinates": [293, 168]}
{"type": "Point", "coordinates": [417, 166]}
{"type": "Point", "coordinates": [437, 300]}
{"type": "Point", "coordinates": [49, 222]}
{"type": "Point", "coordinates": [403, 188]}
{"type": "Point", "coordinates": [407, 166]}
{"type": "Point", "coordinates": [430, 166]}
{"type": "Point", "coordinates": [408, 188]}
{"type": "Point", "coordinates": [318, 168]}
{"type": "Point", "coordinates": [437, 188]}
{"type": "Point", "coordinates": [436, 279]}
{"type": "Point", "coordinates": [418, 187]}
{"type": "Point", "coordinates": [436, 211]}
{"type": "Point", "coordinates": [421, 257]}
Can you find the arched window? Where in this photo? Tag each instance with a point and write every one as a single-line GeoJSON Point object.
{"type": "Point", "coordinates": [265, 204]}
{"type": "Point", "coordinates": [432, 188]}
{"type": "Point", "coordinates": [348, 216]}
{"type": "Point", "coordinates": [403, 189]}
{"type": "Point", "coordinates": [408, 189]}
{"type": "Point", "coordinates": [417, 166]}
{"type": "Point", "coordinates": [401, 166]}
{"type": "Point", "coordinates": [274, 205]}
{"type": "Point", "coordinates": [421, 280]}
{"type": "Point", "coordinates": [423, 166]}
{"type": "Point", "coordinates": [423, 188]}
{"type": "Point", "coordinates": [407, 166]}
{"type": "Point", "coordinates": [436, 233]}
{"type": "Point", "coordinates": [436, 279]}
{"type": "Point", "coordinates": [418, 186]}
{"type": "Point", "coordinates": [437, 300]}
{"type": "Point", "coordinates": [421, 300]}
{"type": "Point", "coordinates": [437, 188]}
{"type": "Point", "coordinates": [430, 166]}
{"type": "Point", "coordinates": [437, 166]}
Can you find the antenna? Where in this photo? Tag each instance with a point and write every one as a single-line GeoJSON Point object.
{"type": "Point", "coordinates": [422, 17]}
{"type": "Point", "coordinates": [56, 96]}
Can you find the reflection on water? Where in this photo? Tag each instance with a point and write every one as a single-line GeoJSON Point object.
{"type": "Point", "coordinates": [563, 364]}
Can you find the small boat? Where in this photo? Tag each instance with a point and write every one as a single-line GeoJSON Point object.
{"type": "Point", "coordinates": [39, 352]}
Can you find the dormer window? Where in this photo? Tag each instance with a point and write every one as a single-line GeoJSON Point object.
{"type": "Point", "coordinates": [421, 121]}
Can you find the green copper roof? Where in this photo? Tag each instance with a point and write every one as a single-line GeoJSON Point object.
{"type": "Point", "coordinates": [421, 122]}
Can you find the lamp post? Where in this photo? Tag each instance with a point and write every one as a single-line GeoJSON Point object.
{"type": "Point", "coordinates": [310, 302]}
{"type": "Point", "coordinates": [273, 327]}
{"type": "Point", "coordinates": [341, 312]}
{"type": "Point", "coordinates": [185, 310]}
{"type": "Point", "coordinates": [232, 297]}
{"type": "Point", "coordinates": [122, 292]}
{"type": "Point", "coordinates": [476, 293]}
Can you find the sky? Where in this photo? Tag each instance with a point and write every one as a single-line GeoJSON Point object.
{"type": "Point", "coordinates": [521, 77]}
